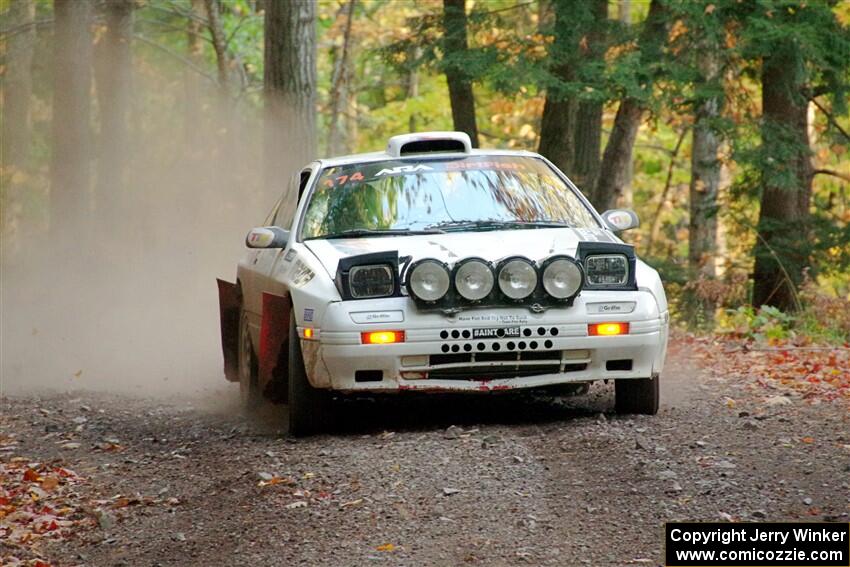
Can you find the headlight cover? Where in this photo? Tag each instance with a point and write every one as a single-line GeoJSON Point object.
{"type": "Point", "coordinates": [517, 278]}
{"type": "Point", "coordinates": [607, 269]}
{"type": "Point", "coordinates": [473, 279]}
{"type": "Point", "coordinates": [368, 276]}
{"type": "Point", "coordinates": [562, 277]}
{"type": "Point", "coordinates": [371, 281]}
{"type": "Point", "coordinates": [428, 280]}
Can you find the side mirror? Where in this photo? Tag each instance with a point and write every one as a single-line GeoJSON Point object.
{"type": "Point", "coordinates": [267, 237]}
{"type": "Point", "coordinates": [619, 220]}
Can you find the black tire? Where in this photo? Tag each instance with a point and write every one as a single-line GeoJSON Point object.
{"type": "Point", "coordinates": [637, 395]}
{"type": "Point", "coordinates": [308, 406]}
{"type": "Point", "coordinates": [249, 389]}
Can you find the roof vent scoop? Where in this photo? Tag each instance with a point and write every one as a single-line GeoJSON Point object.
{"type": "Point", "coordinates": [429, 142]}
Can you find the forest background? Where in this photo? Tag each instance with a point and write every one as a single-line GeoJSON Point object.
{"type": "Point", "coordinates": [142, 138]}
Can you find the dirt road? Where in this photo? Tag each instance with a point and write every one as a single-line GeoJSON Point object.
{"type": "Point", "coordinates": [488, 481]}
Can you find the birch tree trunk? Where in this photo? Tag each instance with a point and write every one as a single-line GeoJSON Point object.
{"type": "Point", "coordinates": [460, 86]}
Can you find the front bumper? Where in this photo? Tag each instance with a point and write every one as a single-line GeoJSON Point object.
{"type": "Point", "coordinates": [441, 353]}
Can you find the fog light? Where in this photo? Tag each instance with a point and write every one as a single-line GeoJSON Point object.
{"type": "Point", "coordinates": [415, 360]}
{"type": "Point", "coordinates": [608, 329]}
{"type": "Point", "coordinates": [382, 337]}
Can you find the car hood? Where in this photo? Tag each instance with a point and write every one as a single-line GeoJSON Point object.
{"type": "Point", "coordinates": [450, 247]}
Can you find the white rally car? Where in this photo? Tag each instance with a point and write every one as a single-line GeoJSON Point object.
{"type": "Point", "coordinates": [435, 267]}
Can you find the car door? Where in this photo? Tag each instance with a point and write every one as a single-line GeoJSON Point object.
{"type": "Point", "coordinates": [252, 270]}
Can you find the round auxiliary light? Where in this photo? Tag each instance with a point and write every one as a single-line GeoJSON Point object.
{"type": "Point", "coordinates": [561, 278]}
{"type": "Point", "coordinates": [428, 280]}
{"type": "Point", "coordinates": [474, 279]}
{"type": "Point", "coordinates": [517, 278]}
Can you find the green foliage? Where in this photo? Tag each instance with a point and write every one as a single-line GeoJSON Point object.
{"type": "Point", "coordinates": [764, 323]}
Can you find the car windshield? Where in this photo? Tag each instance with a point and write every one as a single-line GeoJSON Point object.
{"type": "Point", "coordinates": [441, 195]}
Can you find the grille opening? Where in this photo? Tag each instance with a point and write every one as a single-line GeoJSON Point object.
{"type": "Point", "coordinates": [622, 364]}
{"type": "Point", "coordinates": [465, 334]}
{"type": "Point", "coordinates": [526, 332]}
{"type": "Point", "coordinates": [455, 348]}
{"type": "Point", "coordinates": [368, 375]}
{"type": "Point", "coordinates": [495, 356]}
{"type": "Point", "coordinates": [449, 358]}
{"type": "Point", "coordinates": [532, 344]}
{"type": "Point", "coordinates": [511, 345]}
{"type": "Point", "coordinates": [455, 334]}
{"type": "Point", "coordinates": [444, 348]}
{"type": "Point", "coordinates": [522, 345]}
{"type": "Point", "coordinates": [541, 331]}
{"type": "Point", "coordinates": [480, 346]}
{"type": "Point", "coordinates": [444, 334]}
{"type": "Point", "coordinates": [467, 347]}
{"type": "Point", "coordinates": [496, 372]}
{"type": "Point", "coordinates": [540, 355]}
{"type": "Point", "coordinates": [554, 331]}
{"type": "Point", "coordinates": [548, 344]}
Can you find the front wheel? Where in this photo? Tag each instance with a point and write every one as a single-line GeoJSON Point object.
{"type": "Point", "coordinates": [308, 406]}
{"type": "Point", "coordinates": [637, 395]}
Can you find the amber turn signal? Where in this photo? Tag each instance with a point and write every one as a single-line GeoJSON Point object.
{"type": "Point", "coordinates": [607, 329]}
{"type": "Point", "coordinates": [382, 337]}
{"type": "Point", "coordinates": [308, 333]}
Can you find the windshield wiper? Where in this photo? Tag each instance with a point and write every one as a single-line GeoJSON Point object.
{"type": "Point", "coordinates": [363, 232]}
{"type": "Point", "coordinates": [496, 225]}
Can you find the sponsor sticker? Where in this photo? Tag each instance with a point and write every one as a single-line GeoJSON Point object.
{"type": "Point", "coordinates": [495, 332]}
{"type": "Point", "coordinates": [492, 318]}
{"type": "Point", "coordinates": [308, 315]}
{"type": "Point", "coordinates": [611, 307]}
{"type": "Point", "coordinates": [290, 255]}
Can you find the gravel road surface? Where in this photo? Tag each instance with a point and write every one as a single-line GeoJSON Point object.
{"type": "Point", "coordinates": [498, 480]}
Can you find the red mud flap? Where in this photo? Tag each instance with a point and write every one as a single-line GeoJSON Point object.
{"type": "Point", "coordinates": [228, 307]}
{"type": "Point", "coordinates": [274, 330]}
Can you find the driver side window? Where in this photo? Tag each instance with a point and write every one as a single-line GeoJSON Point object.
{"type": "Point", "coordinates": [270, 218]}
{"type": "Point", "coordinates": [284, 212]}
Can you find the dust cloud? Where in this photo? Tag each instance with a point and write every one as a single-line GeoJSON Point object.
{"type": "Point", "coordinates": [128, 303]}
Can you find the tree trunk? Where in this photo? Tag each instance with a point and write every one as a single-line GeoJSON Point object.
{"type": "Point", "coordinates": [705, 179]}
{"type": "Point", "coordinates": [113, 76]}
{"type": "Point", "coordinates": [16, 123]}
{"type": "Point", "coordinates": [618, 154]}
{"type": "Point", "coordinates": [781, 250]}
{"type": "Point", "coordinates": [192, 116]}
{"type": "Point", "coordinates": [17, 86]}
{"type": "Point", "coordinates": [340, 80]}
{"type": "Point", "coordinates": [219, 45]}
{"type": "Point", "coordinates": [588, 123]}
{"type": "Point", "coordinates": [289, 89]}
{"type": "Point", "coordinates": [460, 86]}
{"type": "Point", "coordinates": [618, 151]}
{"type": "Point", "coordinates": [557, 124]}
{"type": "Point", "coordinates": [70, 168]}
